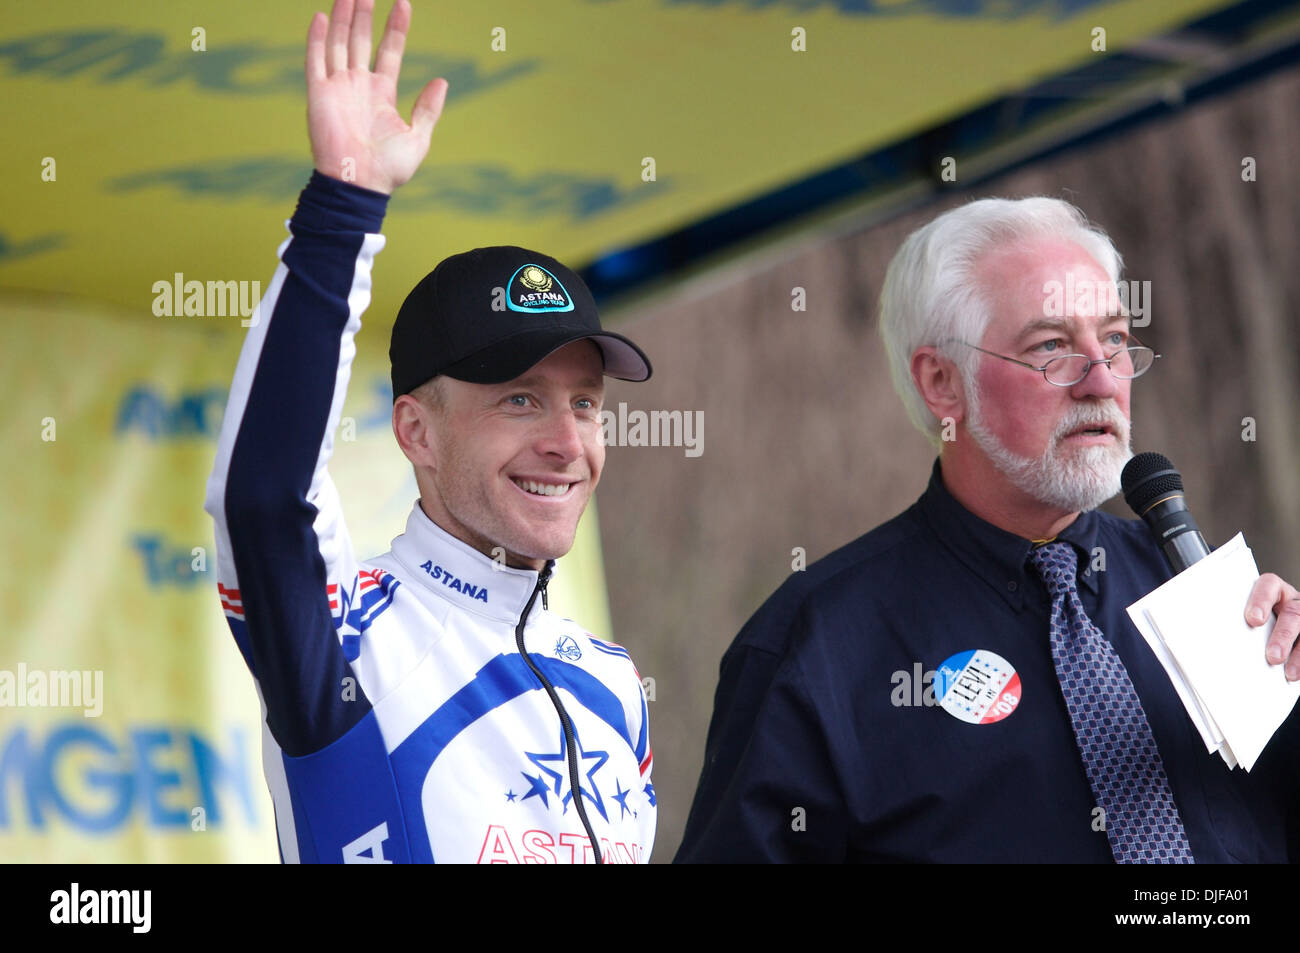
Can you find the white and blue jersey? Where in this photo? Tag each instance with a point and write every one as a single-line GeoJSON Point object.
{"type": "Point", "coordinates": [403, 720]}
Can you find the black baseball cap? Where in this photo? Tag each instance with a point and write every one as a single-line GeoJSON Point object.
{"type": "Point", "coordinates": [487, 315]}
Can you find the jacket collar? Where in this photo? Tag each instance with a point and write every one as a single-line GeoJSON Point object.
{"type": "Point", "coordinates": [459, 574]}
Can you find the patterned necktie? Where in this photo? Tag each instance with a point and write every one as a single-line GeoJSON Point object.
{"type": "Point", "coordinates": [1119, 752]}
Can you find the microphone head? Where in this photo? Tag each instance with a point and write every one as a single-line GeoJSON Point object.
{"type": "Point", "coordinates": [1147, 478]}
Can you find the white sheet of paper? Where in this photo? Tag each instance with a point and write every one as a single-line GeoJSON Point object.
{"type": "Point", "coordinates": [1198, 617]}
{"type": "Point", "coordinates": [1210, 734]}
{"type": "Point", "coordinates": [1195, 706]}
{"type": "Point", "coordinates": [1209, 729]}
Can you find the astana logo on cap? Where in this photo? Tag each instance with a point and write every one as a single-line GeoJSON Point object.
{"type": "Point", "coordinates": [534, 290]}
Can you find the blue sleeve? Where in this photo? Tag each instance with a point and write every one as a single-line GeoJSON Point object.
{"type": "Point", "coordinates": [285, 566]}
{"type": "Point", "coordinates": [345, 803]}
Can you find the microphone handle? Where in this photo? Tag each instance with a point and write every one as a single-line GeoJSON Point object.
{"type": "Point", "coordinates": [1176, 531]}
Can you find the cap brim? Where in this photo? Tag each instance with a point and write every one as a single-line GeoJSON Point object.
{"type": "Point", "coordinates": [508, 359]}
{"type": "Point", "coordinates": [623, 359]}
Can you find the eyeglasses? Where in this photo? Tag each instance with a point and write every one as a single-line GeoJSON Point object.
{"type": "Point", "coordinates": [1069, 369]}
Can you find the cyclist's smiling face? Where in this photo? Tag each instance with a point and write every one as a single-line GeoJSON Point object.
{"type": "Point", "coordinates": [515, 463]}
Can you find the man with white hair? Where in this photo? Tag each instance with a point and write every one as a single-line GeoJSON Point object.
{"type": "Point", "coordinates": [963, 683]}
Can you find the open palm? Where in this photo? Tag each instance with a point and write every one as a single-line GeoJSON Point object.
{"type": "Point", "coordinates": [357, 134]}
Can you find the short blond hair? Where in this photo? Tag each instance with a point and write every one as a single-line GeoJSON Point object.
{"type": "Point", "coordinates": [431, 394]}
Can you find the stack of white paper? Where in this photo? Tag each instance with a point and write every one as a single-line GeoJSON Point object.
{"type": "Point", "coordinates": [1196, 625]}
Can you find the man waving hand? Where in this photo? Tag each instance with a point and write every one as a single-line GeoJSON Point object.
{"type": "Point", "coordinates": [424, 705]}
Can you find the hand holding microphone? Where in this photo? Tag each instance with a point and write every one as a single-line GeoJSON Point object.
{"type": "Point", "coordinates": [1154, 489]}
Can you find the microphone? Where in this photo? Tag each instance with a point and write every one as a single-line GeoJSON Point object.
{"type": "Point", "coordinates": [1154, 489]}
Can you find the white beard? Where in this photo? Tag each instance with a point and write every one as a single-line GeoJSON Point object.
{"type": "Point", "coordinates": [1079, 479]}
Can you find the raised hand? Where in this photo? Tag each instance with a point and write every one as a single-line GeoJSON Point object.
{"type": "Point", "coordinates": [357, 134]}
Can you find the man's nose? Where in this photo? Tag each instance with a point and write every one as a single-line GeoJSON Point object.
{"type": "Point", "coordinates": [559, 435]}
{"type": "Point", "coordinates": [1099, 381]}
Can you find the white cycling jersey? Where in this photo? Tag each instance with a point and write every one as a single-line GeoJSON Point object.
{"type": "Point", "coordinates": [423, 705]}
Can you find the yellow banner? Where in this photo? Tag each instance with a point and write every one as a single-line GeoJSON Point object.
{"type": "Point", "coordinates": [153, 138]}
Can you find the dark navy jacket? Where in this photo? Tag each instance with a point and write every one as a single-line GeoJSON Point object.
{"type": "Point", "coordinates": [819, 750]}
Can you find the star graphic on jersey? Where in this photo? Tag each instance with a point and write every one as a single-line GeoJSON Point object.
{"type": "Point", "coordinates": [650, 793]}
{"type": "Point", "coordinates": [538, 789]}
{"type": "Point", "coordinates": [600, 757]}
{"type": "Point", "coordinates": [510, 795]}
{"type": "Point", "coordinates": [621, 797]}
{"type": "Point", "coordinates": [555, 776]}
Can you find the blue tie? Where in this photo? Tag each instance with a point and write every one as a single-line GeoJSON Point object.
{"type": "Point", "coordinates": [1119, 752]}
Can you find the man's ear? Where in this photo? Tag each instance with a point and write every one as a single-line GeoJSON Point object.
{"type": "Point", "coordinates": [413, 428]}
{"type": "Point", "coordinates": [939, 382]}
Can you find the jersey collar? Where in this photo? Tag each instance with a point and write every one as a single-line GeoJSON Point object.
{"type": "Point", "coordinates": [459, 573]}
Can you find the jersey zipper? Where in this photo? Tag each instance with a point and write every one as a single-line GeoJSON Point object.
{"type": "Point", "coordinates": [570, 741]}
